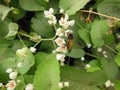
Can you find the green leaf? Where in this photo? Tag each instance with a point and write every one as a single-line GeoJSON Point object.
{"type": "Point", "coordinates": [28, 62]}
{"type": "Point", "coordinates": [20, 85]}
{"type": "Point", "coordinates": [76, 53]}
{"type": "Point", "coordinates": [95, 66]}
{"type": "Point", "coordinates": [40, 57]}
{"type": "Point", "coordinates": [43, 3]}
{"type": "Point", "coordinates": [99, 33]}
{"type": "Point", "coordinates": [3, 28]}
{"type": "Point", "coordinates": [4, 10]}
{"type": "Point", "coordinates": [72, 6]}
{"type": "Point", "coordinates": [113, 10]}
{"type": "Point", "coordinates": [30, 5]}
{"type": "Point", "coordinates": [117, 59]}
{"type": "Point", "coordinates": [47, 74]}
{"type": "Point", "coordinates": [85, 36]}
{"type": "Point", "coordinates": [80, 77]}
{"type": "Point", "coordinates": [20, 12]}
{"type": "Point", "coordinates": [4, 42]}
{"type": "Point", "coordinates": [29, 78]}
{"type": "Point", "coordinates": [40, 26]}
{"type": "Point", "coordinates": [6, 53]}
{"type": "Point", "coordinates": [110, 68]}
{"type": "Point", "coordinates": [117, 85]}
{"type": "Point", "coordinates": [7, 63]}
{"type": "Point", "coordinates": [13, 28]}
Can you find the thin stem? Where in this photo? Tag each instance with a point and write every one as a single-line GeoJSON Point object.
{"type": "Point", "coordinates": [111, 49]}
{"type": "Point", "coordinates": [25, 35]}
{"type": "Point", "coordinates": [37, 43]}
{"type": "Point", "coordinates": [21, 40]}
{"type": "Point", "coordinates": [54, 44]}
{"type": "Point", "coordinates": [91, 55]}
{"type": "Point", "coordinates": [103, 15]}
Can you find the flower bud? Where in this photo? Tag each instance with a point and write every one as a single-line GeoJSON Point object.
{"type": "Point", "coordinates": [13, 75]}
{"type": "Point", "coordinates": [29, 87]}
{"type": "Point", "coordinates": [21, 52]}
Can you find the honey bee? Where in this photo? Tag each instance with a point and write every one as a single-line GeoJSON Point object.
{"type": "Point", "coordinates": [70, 42]}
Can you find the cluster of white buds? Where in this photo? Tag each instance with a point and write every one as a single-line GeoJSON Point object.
{"type": "Point", "coordinates": [61, 32]}
{"type": "Point", "coordinates": [103, 52]}
{"type": "Point", "coordinates": [108, 83]}
{"type": "Point", "coordinates": [12, 75]}
{"type": "Point", "coordinates": [63, 84]}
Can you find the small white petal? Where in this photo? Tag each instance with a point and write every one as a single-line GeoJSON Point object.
{"type": "Point", "coordinates": [29, 87]}
{"type": "Point", "coordinates": [19, 64]}
{"type": "Point", "coordinates": [60, 57]}
{"type": "Point", "coordinates": [108, 83]}
{"type": "Point", "coordinates": [61, 85]}
{"type": "Point", "coordinates": [104, 52]}
{"type": "Point", "coordinates": [11, 85]}
{"type": "Point", "coordinates": [32, 49]}
{"type": "Point", "coordinates": [71, 23]}
{"type": "Point", "coordinates": [61, 10]}
{"type": "Point", "coordinates": [62, 49]}
{"type": "Point", "coordinates": [59, 32]}
{"type": "Point", "coordinates": [51, 10]}
{"type": "Point", "coordinates": [66, 84]}
{"type": "Point", "coordinates": [9, 70]}
{"type": "Point", "coordinates": [105, 56]}
{"type": "Point", "coordinates": [99, 49]}
{"type": "Point", "coordinates": [1, 84]}
{"type": "Point", "coordinates": [89, 45]}
{"type": "Point", "coordinates": [87, 66]}
{"type": "Point", "coordinates": [68, 32]}
{"type": "Point", "coordinates": [112, 84]}
{"type": "Point", "coordinates": [13, 75]}
{"type": "Point", "coordinates": [82, 59]}
{"type": "Point", "coordinates": [60, 41]}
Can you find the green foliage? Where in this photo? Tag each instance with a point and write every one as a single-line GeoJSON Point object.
{"type": "Point", "coordinates": [114, 7]}
{"type": "Point", "coordinates": [47, 74]}
{"type": "Point", "coordinates": [45, 61]}
{"type": "Point", "coordinates": [72, 6]}
{"type": "Point", "coordinates": [28, 62]}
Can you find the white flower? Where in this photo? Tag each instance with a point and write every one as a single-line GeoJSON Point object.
{"type": "Point", "coordinates": [87, 66]}
{"type": "Point", "coordinates": [108, 83]}
{"type": "Point", "coordinates": [32, 49]}
{"type": "Point", "coordinates": [11, 85]}
{"type": "Point", "coordinates": [61, 11]}
{"type": "Point", "coordinates": [9, 70]}
{"type": "Point", "coordinates": [59, 32]}
{"type": "Point", "coordinates": [89, 45]}
{"type": "Point", "coordinates": [104, 52]}
{"type": "Point", "coordinates": [66, 84]}
{"type": "Point", "coordinates": [62, 48]}
{"type": "Point", "coordinates": [82, 58]}
{"type": "Point", "coordinates": [1, 85]}
{"type": "Point", "coordinates": [68, 32]}
{"type": "Point", "coordinates": [29, 87]}
{"type": "Point", "coordinates": [99, 49]}
{"type": "Point", "coordinates": [71, 23]}
{"type": "Point", "coordinates": [52, 20]}
{"type": "Point", "coordinates": [63, 21]}
{"type": "Point", "coordinates": [60, 57]}
{"type": "Point", "coordinates": [105, 56]}
{"type": "Point", "coordinates": [13, 75]}
{"type": "Point", "coordinates": [61, 85]}
{"type": "Point", "coordinates": [19, 65]}
{"type": "Point", "coordinates": [21, 52]}
{"type": "Point", "coordinates": [60, 41]}
{"type": "Point", "coordinates": [49, 13]}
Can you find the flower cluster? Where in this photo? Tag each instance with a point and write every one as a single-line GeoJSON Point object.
{"type": "Point", "coordinates": [63, 84]}
{"type": "Point", "coordinates": [13, 82]}
{"type": "Point", "coordinates": [13, 73]}
{"type": "Point", "coordinates": [62, 32]}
